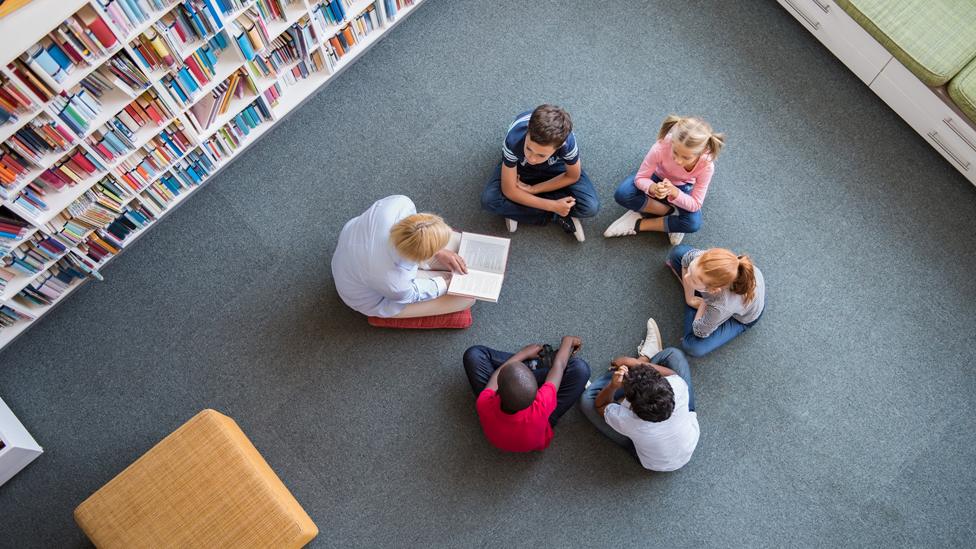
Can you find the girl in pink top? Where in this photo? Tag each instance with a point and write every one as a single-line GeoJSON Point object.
{"type": "Point", "coordinates": [673, 178]}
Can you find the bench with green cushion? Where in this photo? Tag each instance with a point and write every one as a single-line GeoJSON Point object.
{"type": "Point", "coordinates": [934, 39]}
{"type": "Point", "coordinates": [962, 90]}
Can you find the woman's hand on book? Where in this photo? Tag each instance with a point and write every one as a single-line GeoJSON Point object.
{"type": "Point", "coordinates": [452, 261]}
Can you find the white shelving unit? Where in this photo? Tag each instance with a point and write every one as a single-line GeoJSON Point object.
{"type": "Point", "coordinates": [29, 25]}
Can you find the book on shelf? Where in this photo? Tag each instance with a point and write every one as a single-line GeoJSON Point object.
{"type": "Point", "coordinates": [272, 95]}
{"type": "Point", "coordinates": [12, 230]}
{"type": "Point", "coordinates": [282, 51]}
{"type": "Point", "coordinates": [486, 258]}
{"type": "Point", "coordinates": [80, 41]}
{"type": "Point", "coordinates": [153, 158]}
{"type": "Point", "coordinates": [8, 317]}
{"type": "Point", "coordinates": [250, 33]}
{"type": "Point", "coordinates": [228, 7]}
{"type": "Point", "coordinates": [14, 103]}
{"type": "Point", "coordinates": [329, 13]}
{"type": "Point", "coordinates": [275, 10]}
{"type": "Point", "coordinates": [75, 167]}
{"type": "Point", "coordinates": [127, 15]}
{"type": "Point", "coordinates": [393, 7]}
{"type": "Point", "coordinates": [187, 25]}
{"type": "Point", "coordinates": [122, 72]}
{"type": "Point", "coordinates": [205, 111]}
{"type": "Point", "coordinates": [38, 138]}
{"type": "Point", "coordinates": [53, 283]}
{"type": "Point", "coordinates": [31, 80]}
{"type": "Point", "coordinates": [196, 71]}
{"type": "Point", "coordinates": [228, 138]}
{"type": "Point", "coordinates": [316, 63]}
{"type": "Point", "coordinates": [353, 32]}
{"type": "Point", "coordinates": [14, 170]}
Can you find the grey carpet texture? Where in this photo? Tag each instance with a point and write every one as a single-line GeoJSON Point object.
{"type": "Point", "coordinates": [845, 417]}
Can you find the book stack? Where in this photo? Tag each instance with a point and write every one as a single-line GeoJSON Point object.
{"type": "Point", "coordinates": [303, 36]}
{"type": "Point", "coordinates": [250, 33]}
{"type": "Point", "coordinates": [272, 95]}
{"type": "Point", "coordinates": [218, 102]}
{"type": "Point", "coordinates": [229, 138]}
{"type": "Point", "coordinates": [80, 41]}
{"type": "Point", "coordinates": [188, 24]}
{"type": "Point", "coordinates": [127, 15]}
{"type": "Point", "coordinates": [329, 13]}
{"type": "Point", "coordinates": [199, 68]}
{"type": "Point", "coordinates": [137, 171]}
{"type": "Point", "coordinates": [95, 209]}
{"type": "Point", "coordinates": [79, 109]}
{"type": "Point", "coordinates": [185, 175]}
{"type": "Point", "coordinates": [40, 137]}
{"type": "Point", "coordinates": [29, 258]}
{"type": "Point", "coordinates": [74, 167]}
{"type": "Point", "coordinates": [53, 284]}
{"type": "Point", "coordinates": [154, 51]}
{"type": "Point", "coordinates": [9, 317]}
{"type": "Point", "coordinates": [129, 221]}
{"type": "Point", "coordinates": [14, 103]}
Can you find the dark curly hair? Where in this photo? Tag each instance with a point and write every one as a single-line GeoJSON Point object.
{"type": "Point", "coordinates": [649, 394]}
{"type": "Point", "coordinates": [550, 125]}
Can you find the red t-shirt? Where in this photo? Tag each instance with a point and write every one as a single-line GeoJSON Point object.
{"type": "Point", "coordinates": [523, 431]}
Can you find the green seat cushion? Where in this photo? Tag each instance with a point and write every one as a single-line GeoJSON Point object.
{"type": "Point", "coordinates": [935, 39]}
{"type": "Point", "coordinates": [962, 90]}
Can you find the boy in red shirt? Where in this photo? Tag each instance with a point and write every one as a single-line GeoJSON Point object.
{"type": "Point", "coordinates": [516, 413]}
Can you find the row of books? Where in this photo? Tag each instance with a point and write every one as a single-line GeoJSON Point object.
{"type": "Point", "coordinates": [80, 41]}
{"type": "Point", "coordinates": [127, 15]}
{"type": "Point", "coordinates": [330, 13]}
{"type": "Point", "coordinates": [54, 282]}
{"type": "Point", "coordinates": [124, 74]}
{"type": "Point", "coordinates": [15, 169]}
{"type": "Point", "coordinates": [31, 257]}
{"type": "Point", "coordinates": [198, 70]}
{"type": "Point", "coordinates": [9, 317]}
{"type": "Point", "coordinates": [14, 103]}
{"type": "Point", "coordinates": [207, 109]}
{"type": "Point", "coordinates": [394, 6]}
{"type": "Point", "coordinates": [283, 51]}
{"type": "Point", "coordinates": [351, 34]}
{"type": "Point", "coordinates": [274, 10]}
{"type": "Point", "coordinates": [250, 33]}
{"type": "Point", "coordinates": [83, 105]}
{"type": "Point", "coordinates": [229, 137]}
{"type": "Point", "coordinates": [117, 137]}
{"type": "Point", "coordinates": [186, 174]}
{"type": "Point", "coordinates": [38, 138]}
{"type": "Point", "coordinates": [188, 23]}
{"type": "Point", "coordinates": [12, 230]}
{"type": "Point", "coordinates": [74, 168]}
{"type": "Point", "coordinates": [95, 209]}
{"type": "Point", "coordinates": [315, 63]}
{"type": "Point", "coordinates": [156, 156]}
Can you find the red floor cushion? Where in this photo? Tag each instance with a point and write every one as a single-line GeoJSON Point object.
{"type": "Point", "coordinates": [461, 319]}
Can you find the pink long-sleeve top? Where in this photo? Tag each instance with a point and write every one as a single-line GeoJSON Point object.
{"type": "Point", "coordinates": [659, 160]}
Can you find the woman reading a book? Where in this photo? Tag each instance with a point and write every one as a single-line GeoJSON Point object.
{"type": "Point", "coordinates": [393, 262]}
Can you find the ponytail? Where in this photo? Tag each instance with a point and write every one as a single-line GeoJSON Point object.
{"type": "Point", "coordinates": [669, 123]}
{"type": "Point", "coordinates": [714, 144]}
{"type": "Point", "coordinates": [745, 279]}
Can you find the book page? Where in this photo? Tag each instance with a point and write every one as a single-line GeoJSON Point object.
{"type": "Point", "coordinates": [484, 253]}
{"type": "Point", "coordinates": [477, 284]}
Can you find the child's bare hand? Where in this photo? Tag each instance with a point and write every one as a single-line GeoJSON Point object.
{"type": "Point", "coordinates": [562, 206]}
{"type": "Point", "coordinates": [525, 187]}
{"type": "Point", "coordinates": [618, 375]}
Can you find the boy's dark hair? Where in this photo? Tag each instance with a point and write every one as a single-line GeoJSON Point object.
{"type": "Point", "coordinates": [549, 125]}
{"type": "Point", "coordinates": [516, 387]}
{"type": "Point", "coordinates": [650, 395]}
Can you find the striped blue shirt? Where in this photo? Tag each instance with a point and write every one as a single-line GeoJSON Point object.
{"type": "Point", "coordinates": [513, 150]}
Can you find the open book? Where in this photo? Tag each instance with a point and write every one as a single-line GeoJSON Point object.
{"type": "Point", "coordinates": [486, 257]}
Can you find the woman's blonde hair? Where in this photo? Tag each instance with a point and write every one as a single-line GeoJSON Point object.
{"type": "Point", "coordinates": [694, 133]}
{"type": "Point", "coordinates": [721, 268]}
{"type": "Point", "coordinates": [419, 236]}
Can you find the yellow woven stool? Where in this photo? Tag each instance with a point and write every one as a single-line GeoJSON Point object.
{"type": "Point", "coordinates": [205, 485]}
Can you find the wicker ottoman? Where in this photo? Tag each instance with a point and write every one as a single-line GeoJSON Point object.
{"type": "Point", "coordinates": [205, 485]}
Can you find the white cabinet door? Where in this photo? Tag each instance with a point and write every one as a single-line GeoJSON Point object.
{"type": "Point", "coordinates": [19, 448]}
{"type": "Point", "coordinates": [850, 43]}
{"type": "Point", "coordinates": [891, 87]}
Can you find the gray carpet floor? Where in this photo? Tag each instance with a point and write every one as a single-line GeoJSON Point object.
{"type": "Point", "coordinates": [844, 418]}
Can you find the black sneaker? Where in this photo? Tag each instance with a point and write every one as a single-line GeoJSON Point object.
{"type": "Point", "coordinates": [571, 225]}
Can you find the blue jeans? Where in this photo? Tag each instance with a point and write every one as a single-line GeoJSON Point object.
{"type": "Point", "coordinates": [480, 362]}
{"type": "Point", "coordinates": [727, 331]}
{"type": "Point", "coordinates": [632, 198]}
{"type": "Point", "coordinates": [669, 358]}
{"type": "Point", "coordinates": [495, 201]}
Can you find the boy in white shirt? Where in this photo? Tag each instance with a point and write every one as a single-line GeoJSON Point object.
{"type": "Point", "coordinates": [646, 405]}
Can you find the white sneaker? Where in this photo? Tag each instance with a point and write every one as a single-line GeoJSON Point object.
{"type": "Point", "coordinates": [652, 341]}
{"type": "Point", "coordinates": [511, 225]}
{"type": "Point", "coordinates": [624, 225]}
{"type": "Point", "coordinates": [580, 237]}
{"type": "Point", "coordinates": [676, 238]}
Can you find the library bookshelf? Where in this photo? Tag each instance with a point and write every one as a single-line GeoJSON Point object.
{"type": "Point", "coordinates": [115, 111]}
